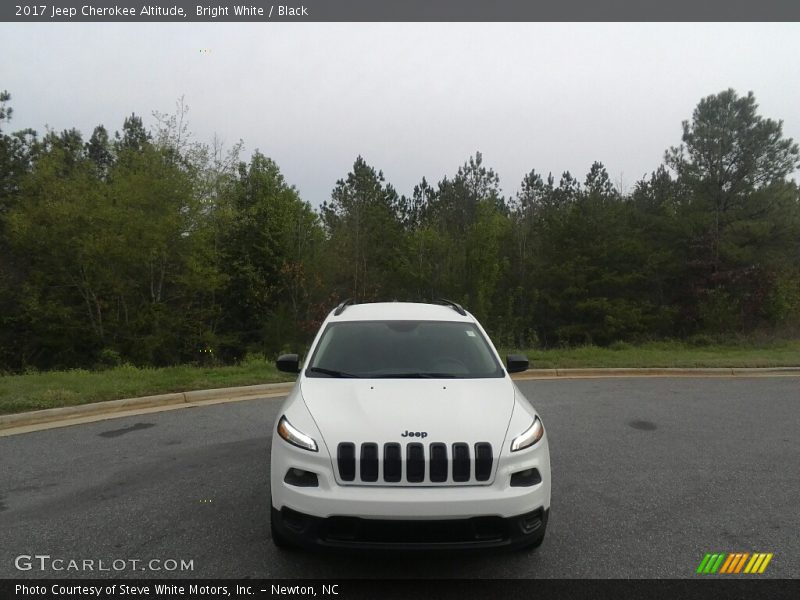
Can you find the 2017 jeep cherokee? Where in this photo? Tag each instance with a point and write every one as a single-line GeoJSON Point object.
{"type": "Point", "coordinates": [405, 430]}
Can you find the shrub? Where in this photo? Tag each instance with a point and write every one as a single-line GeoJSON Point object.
{"type": "Point", "coordinates": [108, 358]}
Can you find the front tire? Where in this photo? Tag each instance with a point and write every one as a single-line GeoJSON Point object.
{"type": "Point", "coordinates": [534, 542]}
{"type": "Point", "coordinates": [278, 538]}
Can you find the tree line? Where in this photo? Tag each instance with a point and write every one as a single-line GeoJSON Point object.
{"type": "Point", "coordinates": [146, 246]}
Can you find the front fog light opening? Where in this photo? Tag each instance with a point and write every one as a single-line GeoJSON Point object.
{"type": "Point", "coordinates": [529, 437]}
{"type": "Point", "coordinates": [526, 478]}
{"type": "Point", "coordinates": [301, 478]}
{"type": "Point", "coordinates": [294, 436]}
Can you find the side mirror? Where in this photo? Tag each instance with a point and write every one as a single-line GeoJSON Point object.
{"type": "Point", "coordinates": [516, 363]}
{"type": "Point", "coordinates": [288, 363]}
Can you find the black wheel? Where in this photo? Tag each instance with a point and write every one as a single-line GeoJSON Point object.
{"type": "Point", "coordinates": [278, 538]}
{"type": "Point", "coordinates": [535, 543]}
{"type": "Point", "coordinates": [537, 540]}
{"type": "Point", "coordinates": [532, 544]}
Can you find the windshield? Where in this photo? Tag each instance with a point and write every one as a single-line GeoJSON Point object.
{"type": "Point", "coordinates": [403, 349]}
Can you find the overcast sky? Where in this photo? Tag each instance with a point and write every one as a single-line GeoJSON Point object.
{"type": "Point", "coordinates": [413, 99]}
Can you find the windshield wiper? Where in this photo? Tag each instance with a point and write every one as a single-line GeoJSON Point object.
{"type": "Point", "coordinates": [330, 372]}
{"type": "Point", "coordinates": [417, 376]}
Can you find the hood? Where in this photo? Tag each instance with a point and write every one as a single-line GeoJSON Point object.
{"type": "Point", "coordinates": [381, 410]}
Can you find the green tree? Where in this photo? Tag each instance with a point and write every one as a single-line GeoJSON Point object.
{"type": "Point", "coordinates": [5, 110]}
{"type": "Point", "coordinates": [134, 136]}
{"type": "Point", "coordinates": [365, 234]}
{"type": "Point", "coordinates": [469, 264]}
{"type": "Point", "coordinates": [654, 222]}
{"type": "Point", "coordinates": [270, 250]}
{"type": "Point", "coordinates": [99, 151]}
{"type": "Point", "coordinates": [111, 262]}
{"type": "Point", "coordinates": [16, 157]}
{"type": "Point", "coordinates": [739, 208]}
{"type": "Point", "coordinates": [50, 230]}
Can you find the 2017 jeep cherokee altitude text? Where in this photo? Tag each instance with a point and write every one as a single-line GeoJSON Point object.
{"type": "Point", "coordinates": [405, 430]}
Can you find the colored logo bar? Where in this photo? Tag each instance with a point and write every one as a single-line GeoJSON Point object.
{"type": "Point", "coordinates": [734, 562]}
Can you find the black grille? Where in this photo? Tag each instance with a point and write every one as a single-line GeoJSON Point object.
{"type": "Point", "coordinates": [461, 463]}
{"type": "Point", "coordinates": [415, 463]}
{"type": "Point", "coordinates": [438, 462]}
{"type": "Point", "coordinates": [418, 459]}
{"type": "Point", "coordinates": [483, 461]}
{"type": "Point", "coordinates": [369, 462]}
{"type": "Point", "coordinates": [392, 463]}
{"type": "Point", "coordinates": [346, 457]}
{"type": "Point", "coordinates": [353, 530]}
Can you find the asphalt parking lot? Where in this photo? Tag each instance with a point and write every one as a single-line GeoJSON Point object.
{"type": "Point", "coordinates": [649, 474]}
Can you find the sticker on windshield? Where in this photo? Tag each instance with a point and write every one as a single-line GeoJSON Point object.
{"type": "Point", "coordinates": [470, 333]}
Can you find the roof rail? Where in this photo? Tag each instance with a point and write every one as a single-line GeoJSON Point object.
{"type": "Point", "coordinates": [454, 305]}
{"type": "Point", "coordinates": [340, 309]}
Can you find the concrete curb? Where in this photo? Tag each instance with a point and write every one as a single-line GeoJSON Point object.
{"type": "Point", "coordinates": [658, 372]}
{"type": "Point", "coordinates": [132, 404]}
{"type": "Point", "coordinates": [219, 395]}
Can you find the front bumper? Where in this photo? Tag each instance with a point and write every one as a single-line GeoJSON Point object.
{"type": "Point", "coordinates": [407, 534]}
{"type": "Point", "coordinates": [329, 499]}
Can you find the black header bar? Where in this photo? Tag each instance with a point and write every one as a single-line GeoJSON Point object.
{"type": "Point", "coordinates": [744, 588]}
{"type": "Point", "coordinates": [307, 11]}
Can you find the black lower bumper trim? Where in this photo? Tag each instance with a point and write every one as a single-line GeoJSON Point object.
{"type": "Point", "coordinates": [406, 534]}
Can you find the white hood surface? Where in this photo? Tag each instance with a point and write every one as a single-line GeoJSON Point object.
{"type": "Point", "coordinates": [380, 410]}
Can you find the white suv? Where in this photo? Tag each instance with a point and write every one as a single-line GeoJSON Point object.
{"type": "Point", "coordinates": [404, 430]}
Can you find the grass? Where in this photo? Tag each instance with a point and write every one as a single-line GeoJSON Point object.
{"type": "Point", "coordinates": [35, 391]}
{"type": "Point", "coordinates": [669, 354]}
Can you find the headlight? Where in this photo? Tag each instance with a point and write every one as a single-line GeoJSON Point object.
{"type": "Point", "coordinates": [529, 437]}
{"type": "Point", "coordinates": [294, 436]}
